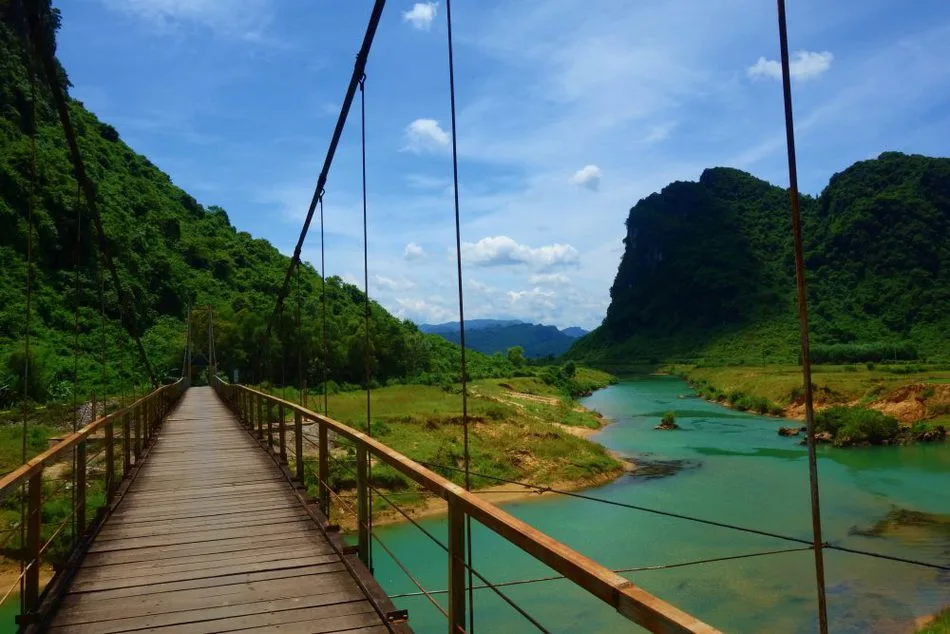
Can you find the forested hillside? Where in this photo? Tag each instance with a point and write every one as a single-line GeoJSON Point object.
{"type": "Point", "coordinates": [490, 336]}
{"type": "Point", "coordinates": [708, 270]}
{"type": "Point", "coordinates": [171, 252]}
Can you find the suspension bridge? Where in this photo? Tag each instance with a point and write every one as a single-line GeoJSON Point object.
{"type": "Point", "coordinates": [209, 520]}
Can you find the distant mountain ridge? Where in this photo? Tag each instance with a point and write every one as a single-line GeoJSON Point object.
{"type": "Point", "coordinates": [497, 335]}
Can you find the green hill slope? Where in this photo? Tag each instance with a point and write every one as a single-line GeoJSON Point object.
{"type": "Point", "coordinates": [171, 252]}
{"type": "Point", "coordinates": [708, 270]}
{"type": "Point", "coordinates": [537, 340]}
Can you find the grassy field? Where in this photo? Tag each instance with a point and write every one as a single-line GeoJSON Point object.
{"type": "Point", "coordinates": [941, 625]}
{"type": "Point", "coordinates": [911, 393]}
{"type": "Point", "coordinates": [520, 429]}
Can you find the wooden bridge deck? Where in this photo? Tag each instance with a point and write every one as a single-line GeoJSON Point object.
{"type": "Point", "coordinates": [211, 538]}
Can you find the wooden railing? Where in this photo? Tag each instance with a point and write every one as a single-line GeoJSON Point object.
{"type": "Point", "coordinates": [253, 406]}
{"type": "Point", "coordinates": [121, 439]}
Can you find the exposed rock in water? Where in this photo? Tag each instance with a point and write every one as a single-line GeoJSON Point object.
{"type": "Point", "coordinates": [900, 522]}
{"type": "Point", "coordinates": [667, 425]}
{"type": "Point", "coordinates": [790, 431]}
{"type": "Point", "coordinates": [653, 469]}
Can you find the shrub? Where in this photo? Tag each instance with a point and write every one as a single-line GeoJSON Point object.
{"type": "Point", "coordinates": [856, 425]}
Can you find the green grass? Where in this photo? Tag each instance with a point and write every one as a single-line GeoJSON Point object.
{"type": "Point", "coordinates": [941, 625]}
{"type": "Point", "coordinates": [506, 440]}
{"type": "Point", "coordinates": [835, 384]}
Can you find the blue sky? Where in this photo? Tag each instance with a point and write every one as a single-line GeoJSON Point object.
{"type": "Point", "coordinates": [569, 113]}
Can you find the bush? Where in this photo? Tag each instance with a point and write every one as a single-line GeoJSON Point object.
{"type": "Point", "coordinates": [862, 352]}
{"type": "Point", "coordinates": [669, 418]}
{"type": "Point", "coordinates": [857, 425]}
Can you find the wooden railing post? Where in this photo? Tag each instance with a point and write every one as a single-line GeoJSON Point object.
{"type": "Point", "coordinates": [298, 445]}
{"type": "Point", "coordinates": [323, 468]}
{"type": "Point", "coordinates": [31, 553]}
{"type": "Point", "coordinates": [456, 568]}
{"type": "Point", "coordinates": [137, 429]}
{"type": "Point", "coordinates": [260, 416]}
{"type": "Point", "coordinates": [80, 482]}
{"type": "Point", "coordinates": [126, 444]}
{"type": "Point", "coordinates": [282, 434]}
{"type": "Point", "coordinates": [110, 461]}
{"type": "Point", "coordinates": [269, 411]}
{"type": "Point", "coordinates": [362, 505]}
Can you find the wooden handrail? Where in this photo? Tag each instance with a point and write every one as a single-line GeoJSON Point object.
{"type": "Point", "coordinates": [37, 463]}
{"type": "Point", "coordinates": [622, 594]}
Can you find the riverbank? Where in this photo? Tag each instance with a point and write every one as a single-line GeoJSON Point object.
{"type": "Point", "coordinates": [937, 624]}
{"type": "Point", "coordinates": [520, 429]}
{"type": "Point", "coordinates": [916, 398]}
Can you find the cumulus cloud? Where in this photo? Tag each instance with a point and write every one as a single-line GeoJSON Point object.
{"type": "Point", "coordinates": [660, 132]}
{"type": "Point", "coordinates": [242, 18]}
{"type": "Point", "coordinates": [421, 310]}
{"type": "Point", "coordinates": [802, 66]}
{"type": "Point", "coordinates": [503, 251]}
{"type": "Point", "coordinates": [391, 284]}
{"type": "Point", "coordinates": [549, 278]}
{"type": "Point", "coordinates": [413, 252]}
{"type": "Point", "coordinates": [425, 135]}
{"type": "Point", "coordinates": [587, 176]}
{"type": "Point", "coordinates": [421, 15]}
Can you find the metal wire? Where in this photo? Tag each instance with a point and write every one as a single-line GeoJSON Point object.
{"type": "Point", "coordinates": [366, 316]}
{"type": "Point", "coordinates": [803, 324]}
{"type": "Point", "coordinates": [461, 293]}
{"type": "Point", "coordinates": [520, 582]}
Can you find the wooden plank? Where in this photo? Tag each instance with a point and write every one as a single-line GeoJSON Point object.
{"type": "Point", "coordinates": [79, 611]}
{"type": "Point", "coordinates": [121, 623]}
{"type": "Point", "coordinates": [209, 582]}
{"type": "Point", "coordinates": [163, 527]}
{"type": "Point", "coordinates": [156, 554]}
{"type": "Point", "coordinates": [208, 535]}
{"type": "Point", "coordinates": [320, 617]}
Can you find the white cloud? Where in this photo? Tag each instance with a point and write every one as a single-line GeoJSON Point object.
{"type": "Point", "coordinates": [803, 65]}
{"type": "Point", "coordinates": [660, 132]}
{"type": "Point", "coordinates": [503, 251]}
{"type": "Point", "coordinates": [549, 278]}
{"type": "Point", "coordinates": [245, 19]}
{"type": "Point", "coordinates": [390, 284]}
{"type": "Point", "coordinates": [421, 15]}
{"type": "Point", "coordinates": [413, 252]}
{"type": "Point", "coordinates": [587, 176]}
{"type": "Point", "coordinates": [424, 181]}
{"type": "Point", "coordinates": [429, 310]}
{"type": "Point", "coordinates": [425, 135]}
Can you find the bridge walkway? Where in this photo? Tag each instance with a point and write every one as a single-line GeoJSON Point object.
{"type": "Point", "coordinates": [211, 537]}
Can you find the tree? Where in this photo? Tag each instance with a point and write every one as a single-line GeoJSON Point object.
{"type": "Point", "coordinates": [516, 356]}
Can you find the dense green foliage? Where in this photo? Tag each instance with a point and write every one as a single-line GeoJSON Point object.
{"type": "Point", "coordinates": [171, 252]}
{"type": "Point", "coordinates": [857, 425]}
{"type": "Point", "coordinates": [536, 340]}
{"type": "Point", "coordinates": [708, 271]}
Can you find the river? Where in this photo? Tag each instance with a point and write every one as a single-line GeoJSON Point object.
{"type": "Point", "coordinates": [726, 466]}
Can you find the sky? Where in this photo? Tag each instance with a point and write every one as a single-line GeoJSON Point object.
{"type": "Point", "coordinates": [569, 112]}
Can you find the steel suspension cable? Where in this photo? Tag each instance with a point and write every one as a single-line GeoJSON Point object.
{"type": "Point", "coordinates": [359, 69]}
{"type": "Point", "coordinates": [323, 302]}
{"type": "Point", "coordinates": [31, 202]}
{"type": "Point", "coordinates": [44, 50]}
{"type": "Point", "coordinates": [366, 315]}
{"type": "Point", "coordinates": [803, 323]}
{"type": "Point", "coordinates": [690, 518]}
{"type": "Point", "coordinates": [461, 293]}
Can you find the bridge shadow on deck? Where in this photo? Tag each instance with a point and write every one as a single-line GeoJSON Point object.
{"type": "Point", "coordinates": [211, 538]}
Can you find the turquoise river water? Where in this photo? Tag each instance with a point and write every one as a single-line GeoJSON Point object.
{"type": "Point", "coordinates": [726, 466]}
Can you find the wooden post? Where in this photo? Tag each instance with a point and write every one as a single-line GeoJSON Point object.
{"type": "Point", "coordinates": [126, 444]}
{"type": "Point", "coordinates": [298, 445]}
{"type": "Point", "coordinates": [80, 481]}
{"type": "Point", "coordinates": [137, 425]}
{"type": "Point", "coordinates": [282, 435]}
{"type": "Point", "coordinates": [323, 469]}
{"type": "Point", "coordinates": [269, 411]}
{"type": "Point", "coordinates": [260, 417]}
{"type": "Point", "coordinates": [110, 461]}
{"type": "Point", "coordinates": [31, 553]}
{"type": "Point", "coordinates": [362, 505]}
{"type": "Point", "coordinates": [456, 568]}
